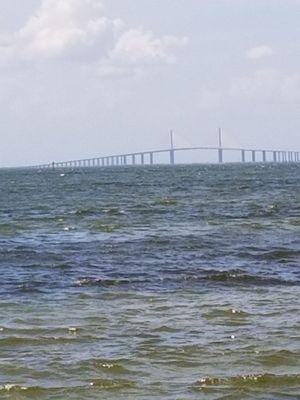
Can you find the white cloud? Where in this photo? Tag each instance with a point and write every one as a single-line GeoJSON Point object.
{"type": "Point", "coordinates": [264, 81]}
{"type": "Point", "coordinates": [258, 52]}
{"type": "Point", "coordinates": [136, 50]}
{"type": "Point", "coordinates": [59, 25]}
{"type": "Point", "coordinates": [268, 85]}
{"type": "Point", "coordinates": [137, 46]}
{"type": "Point", "coordinates": [264, 86]}
{"type": "Point", "coordinates": [62, 26]}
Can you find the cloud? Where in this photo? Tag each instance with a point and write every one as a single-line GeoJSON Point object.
{"type": "Point", "coordinates": [62, 24]}
{"type": "Point", "coordinates": [62, 28]}
{"type": "Point", "coordinates": [58, 26]}
{"type": "Point", "coordinates": [258, 52]}
{"type": "Point", "coordinates": [137, 46]}
{"type": "Point", "coordinates": [267, 85]}
{"type": "Point", "coordinates": [136, 50]}
{"type": "Point", "coordinates": [263, 86]}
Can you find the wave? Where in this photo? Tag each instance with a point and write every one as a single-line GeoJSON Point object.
{"type": "Point", "coordinates": [9, 229]}
{"type": "Point", "coordinates": [37, 341]}
{"type": "Point", "coordinates": [104, 227]}
{"type": "Point", "coordinates": [257, 380]}
{"type": "Point", "coordinates": [102, 281]}
{"type": "Point", "coordinates": [110, 366]}
{"type": "Point", "coordinates": [225, 277]}
{"type": "Point", "coordinates": [17, 389]}
{"type": "Point", "coordinates": [112, 384]}
{"type": "Point", "coordinates": [243, 278]}
{"type": "Point", "coordinates": [280, 357]}
{"type": "Point", "coordinates": [168, 279]}
{"type": "Point", "coordinates": [34, 391]}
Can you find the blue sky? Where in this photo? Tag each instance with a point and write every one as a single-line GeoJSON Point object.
{"type": "Point", "coordinates": [85, 78]}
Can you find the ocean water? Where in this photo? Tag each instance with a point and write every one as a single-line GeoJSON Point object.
{"type": "Point", "coordinates": [150, 283]}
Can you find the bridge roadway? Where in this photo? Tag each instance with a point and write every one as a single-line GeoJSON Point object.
{"type": "Point", "coordinates": [147, 157]}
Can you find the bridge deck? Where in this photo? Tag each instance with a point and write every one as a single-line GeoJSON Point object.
{"type": "Point", "coordinates": [138, 158]}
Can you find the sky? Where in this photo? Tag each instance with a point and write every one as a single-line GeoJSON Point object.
{"type": "Point", "coordinates": [87, 78]}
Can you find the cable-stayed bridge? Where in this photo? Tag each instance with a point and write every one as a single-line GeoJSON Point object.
{"type": "Point", "coordinates": [149, 157]}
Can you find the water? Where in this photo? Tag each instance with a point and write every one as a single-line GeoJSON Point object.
{"type": "Point", "coordinates": [150, 283]}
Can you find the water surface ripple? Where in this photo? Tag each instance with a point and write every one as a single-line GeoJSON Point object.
{"type": "Point", "coordinates": [150, 283]}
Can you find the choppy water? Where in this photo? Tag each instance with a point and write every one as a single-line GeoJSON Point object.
{"type": "Point", "coordinates": [150, 283]}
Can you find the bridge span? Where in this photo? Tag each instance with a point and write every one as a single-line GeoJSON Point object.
{"type": "Point", "coordinates": [148, 157]}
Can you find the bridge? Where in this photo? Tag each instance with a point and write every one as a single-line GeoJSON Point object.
{"type": "Point", "coordinates": [148, 157]}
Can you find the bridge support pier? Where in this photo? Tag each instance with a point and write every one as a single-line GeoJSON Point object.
{"type": "Point", "coordinates": [142, 159]}
{"type": "Point", "coordinates": [284, 158]}
{"type": "Point", "coordinates": [253, 156]}
{"type": "Point", "coordinates": [220, 156]}
{"type": "Point", "coordinates": [243, 154]}
{"type": "Point", "coordinates": [151, 158]}
{"type": "Point", "coordinates": [274, 156]}
{"type": "Point", "coordinates": [172, 157]}
{"type": "Point", "coordinates": [133, 159]}
{"type": "Point", "coordinates": [264, 156]}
